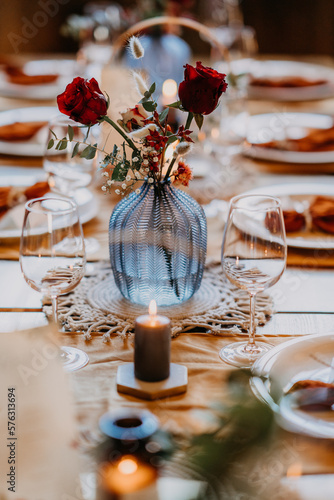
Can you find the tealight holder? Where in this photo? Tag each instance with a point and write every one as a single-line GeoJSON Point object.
{"type": "Point", "coordinates": [152, 376]}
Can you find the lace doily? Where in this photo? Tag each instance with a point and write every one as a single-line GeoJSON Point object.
{"type": "Point", "coordinates": [96, 306]}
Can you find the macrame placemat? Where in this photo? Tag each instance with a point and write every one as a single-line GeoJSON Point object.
{"type": "Point", "coordinates": [96, 306]}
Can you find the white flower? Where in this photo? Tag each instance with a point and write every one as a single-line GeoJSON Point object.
{"type": "Point", "coordinates": [105, 174]}
{"type": "Point", "coordinates": [135, 159]}
{"type": "Point", "coordinates": [137, 175]}
{"type": "Point", "coordinates": [128, 178]}
{"type": "Point", "coordinates": [150, 180]}
{"type": "Point", "coordinates": [119, 157]}
{"type": "Point", "coordinates": [155, 159]}
{"type": "Point", "coordinates": [137, 191]}
{"type": "Point", "coordinates": [145, 162]}
{"type": "Point", "coordinates": [124, 186]}
{"type": "Point", "coordinates": [182, 149]}
{"type": "Point", "coordinates": [117, 191]}
{"type": "Point", "coordinates": [110, 182]}
{"type": "Point", "coordinates": [142, 132]}
{"type": "Point", "coordinates": [140, 83]}
{"type": "Point", "coordinates": [104, 188]}
{"type": "Point", "coordinates": [136, 48]}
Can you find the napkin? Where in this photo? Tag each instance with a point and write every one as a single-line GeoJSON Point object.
{"type": "Point", "coordinates": [20, 131]}
{"type": "Point", "coordinates": [313, 141]}
{"type": "Point", "coordinates": [285, 82]}
{"type": "Point", "coordinates": [17, 75]}
{"type": "Point", "coordinates": [38, 456]}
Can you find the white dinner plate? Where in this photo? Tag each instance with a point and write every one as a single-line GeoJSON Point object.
{"type": "Point", "coordinates": [278, 126]}
{"type": "Point", "coordinates": [66, 69]}
{"type": "Point", "coordinates": [37, 144]}
{"type": "Point", "coordinates": [11, 222]}
{"type": "Point", "coordinates": [308, 358]}
{"type": "Point", "coordinates": [272, 69]}
{"type": "Point", "coordinates": [300, 195]}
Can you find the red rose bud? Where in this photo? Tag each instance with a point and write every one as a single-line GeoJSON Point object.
{"type": "Point", "coordinates": [83, 101]}
{"type": "Point", "coordinates": [201, 89]}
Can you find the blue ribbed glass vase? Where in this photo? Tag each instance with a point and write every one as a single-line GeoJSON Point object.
{"type": "Point", "coordinates": [157, 243]}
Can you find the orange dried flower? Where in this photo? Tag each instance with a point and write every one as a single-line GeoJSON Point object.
{"type": "Point", "coordinates": [183, 174]}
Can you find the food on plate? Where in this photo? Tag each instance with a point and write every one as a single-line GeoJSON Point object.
{"type": "Point", "coordinates": [17, 75]}
{"type": "Point", "coordinates": [313, 395]}
{"type": "Point", "coordinates": [11, 196]}
{"type": "Point", "coordinates": [322, 213]}
{"type": "Point", "coordinates": [294, 221]}
{"type": "Point", "coordinates": [285, 81]}
{"type": "Point", "coordinates": [20, 131]}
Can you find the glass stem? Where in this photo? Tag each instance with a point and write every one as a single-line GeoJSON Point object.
{"type": "Point", "coordinates": [252, 326]}
{"type": "Point", "coordinates": [55, 309]}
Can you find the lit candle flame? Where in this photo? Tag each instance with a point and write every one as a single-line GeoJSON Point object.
{"type": "Point", "coordinates": [127, 466]}
{"type": "Point", "coordinates": [152, 308]}
{"type": "Point", "coordinates": [169, 88]}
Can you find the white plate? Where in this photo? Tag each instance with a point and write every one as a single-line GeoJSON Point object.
{"type": "Point", "coordinates": [272, 69]}
{"type": "Point", "coordinates": [299, 193]}
{"type": "Point", "coordinates": [37, 144]}
{"type": "Point", "coordinates": [277, 126]}
{"type": "Point", "coordinates": [277, 370]}
{"type": "Point", "coordinates": [11, 222]}
{"type": "Point", "coordinates": [66, 69]}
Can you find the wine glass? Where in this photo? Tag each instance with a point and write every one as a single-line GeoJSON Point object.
{"type": "Point", "coordinates": [67, 174]}
{"type": "Point", "coordinates": [253, 258]}
{"type": "Point", "coordinates": [52, 256]}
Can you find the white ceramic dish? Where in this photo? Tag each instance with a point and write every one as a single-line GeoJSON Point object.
{"type": "Point", "coordinates": [307, 358]}
{"type": "Point", "coordinates": [279, 69]}
{"type": "Point", "coordinates": [37, 144]}
{"type": "Point", "coordinates": [277, 126]}
{"type": "Point", "coordinates": [11, 222]}
{"type": "Point", "coordinates": [301, 194]}
{"type": "Point", "coordinates": [66, 69]}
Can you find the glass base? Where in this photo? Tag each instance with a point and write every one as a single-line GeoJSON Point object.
{"type": "Point", "coordinates": [242, 355]}
{"type": "Point", "coordinates": [73, 359]}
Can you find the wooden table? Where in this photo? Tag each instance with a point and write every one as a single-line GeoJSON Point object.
{"type": "Point", "coordinates": [303, 301]}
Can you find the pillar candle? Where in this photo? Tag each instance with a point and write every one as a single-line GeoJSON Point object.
{"type": "Point", "coordinates": [152, 346]}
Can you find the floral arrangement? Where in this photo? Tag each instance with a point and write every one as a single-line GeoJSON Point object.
{"type": "Point", "coordinates": [146, 133]}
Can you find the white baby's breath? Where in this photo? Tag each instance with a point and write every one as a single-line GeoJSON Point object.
{"type": "Point", "coordinates": [124, 186]}
{"type": "Point", "coordinates": [104, 188]}
{"type": "Point", "coordinates": [117, 191]}
{"type": "Point", "coordinates": [136, 48]}
{"type": "Point", "coordinates": [137, 191]}
{"type": "Point", "coordinates": [128, 178]}
{"type": "Point", "coordinates": [150, 180]}
{"type": "Point", "coordinates": [110, 182]}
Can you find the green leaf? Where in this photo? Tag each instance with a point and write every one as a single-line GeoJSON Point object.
{"type": "Point", "coordinates": [89, 152]}
{"type": "Point", "coordinates": [172, 139]}
{"type": "Point", "coordinates": [51, 143]}
{"type": "Point", "coordinates": [147, 94]}
{"type": "Point", "coordinates": [176, 104]}
{"type": "Point", "coordinates": [120, 172]}
{"type": "Point", "coordinates": [199, 120]}
{"type": "Point", "coordinates": [163, 115]}
{"type": "Point", "coordinates": [75, 150]}
{"type": "Point", "coordinates": [70, 133]}
{"type": "Point", "coordinates": [149, 106]}
{"type": "Point", "coordinates": [152, 88]}
{"type": "Point", "coordinates": [63, 144]}
{"type": "Point", "coordinates": [85, 152]}
{"type": "Point", "coordinates": [108, 99]}
{"type": "Point", "coordinates": [52, 132]}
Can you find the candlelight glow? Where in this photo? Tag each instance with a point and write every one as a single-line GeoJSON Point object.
{"type": "Point", "coordinates": [152, 308]}
{"type": "Point", "coordinates": [169, 88]}
{"type": "Point", "coordinates": [295, 470]}
{"type": "Point", "coordinates": [127, 466]}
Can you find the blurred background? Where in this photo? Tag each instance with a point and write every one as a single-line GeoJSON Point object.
{"type": "Point", "coordinates": [282, 27]}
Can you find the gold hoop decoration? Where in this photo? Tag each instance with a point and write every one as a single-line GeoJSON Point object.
{"type": "Point", "coordinates": [178, 21]}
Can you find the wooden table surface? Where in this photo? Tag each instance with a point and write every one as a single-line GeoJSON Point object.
{"type": "Point", "coordinates": [303, 297]}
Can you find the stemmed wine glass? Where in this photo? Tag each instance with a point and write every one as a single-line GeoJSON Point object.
{"type": "Point", "coordinates": [253, 258]}
{"type": "Point", "coordinates": [52, 256]}
{"type": "Point", "coordinates": [68, 173]}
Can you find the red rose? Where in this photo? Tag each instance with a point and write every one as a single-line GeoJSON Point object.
{"type": "Point", "coordinates": [83, 101]}
{"type": "Point", "coordinates": [201, 89]}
